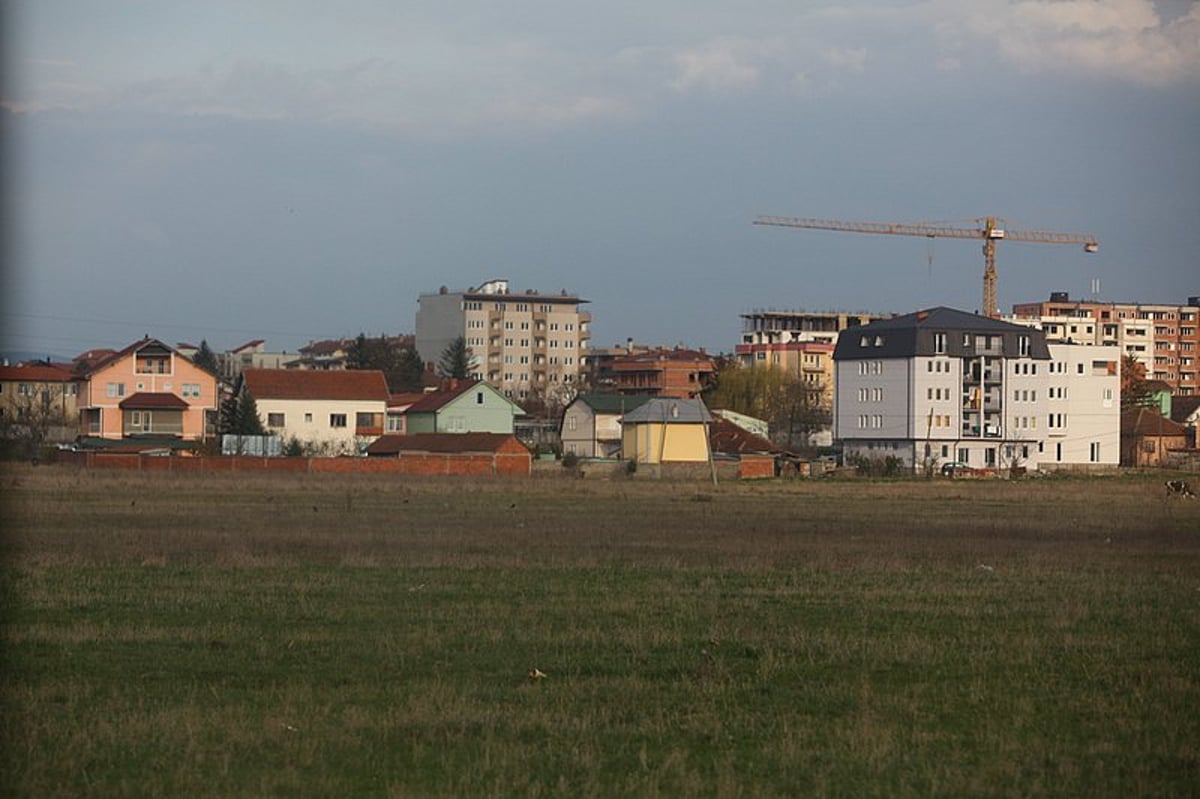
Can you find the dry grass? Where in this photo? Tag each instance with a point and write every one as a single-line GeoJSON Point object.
{"type": "Point", "coordinates": [224, 635]}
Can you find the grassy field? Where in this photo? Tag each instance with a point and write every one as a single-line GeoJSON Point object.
{"type": "Point", "coordinates": [250, 636]}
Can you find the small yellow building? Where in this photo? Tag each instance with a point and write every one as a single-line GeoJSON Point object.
{"type": "Point", "coordinates": [666, 430]}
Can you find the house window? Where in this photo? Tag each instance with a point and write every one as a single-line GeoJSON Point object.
{"type": "Point", "coordinates": [190, 390]}
{"type": "Point", "coordinates": [939, 343]}
{"type": "Point", "coordinates": [337, 420]}
{"type": "Point", "coordinates": [115, 390]}
{"type": "Point", "coordinates": [308, 418]}
{"type": "Point", "coordinates": [478, 397]}
{"type": "Point", "coordinates": [1023, 345]}
{"type": "Point", "coordinates": [1094, 451]}
{"type": "Point", "coordinates": [275, 420]}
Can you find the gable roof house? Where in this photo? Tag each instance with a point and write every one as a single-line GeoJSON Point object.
{"type": "Point", "coordinates": [147, 389]}
{"type": "Point", "coordinates": [330, 412]}
{"type": "Point", "coordinates": [39, 394]}
{"type": "Point", "coordinates": [666, 430]}
{"type": "Point", "coordinates": [463, 407]}
{"type": "Point", "coordinates": [1148, 438]}
{"type": "Point", "coordinates": [591, 424]}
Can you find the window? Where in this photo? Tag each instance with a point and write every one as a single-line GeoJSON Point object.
{"type": "Point", "coordinates": [275, 420]}
{"type": "Point", "coordinates": [1023, 345]}
{"type": "Point", "coordinates": [308, 418]}
{"type": "Point", "coordinates": [190, 390]}
{"type": "Point", "coordinates": [478, 397]}
{"type": "Point", "coordinates": [1094, 451]}
{"type": "Point", "coordinates": [115, 389]}
{"type": "Point", "coordinates": [337, 420]}
{"type": "Point", "coordinates": [939, 343]}
{"type": "Point", "coordinates": [364, 420]}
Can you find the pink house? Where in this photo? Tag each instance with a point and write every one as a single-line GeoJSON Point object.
{"type": "Point", "coordinates": [147, 389]}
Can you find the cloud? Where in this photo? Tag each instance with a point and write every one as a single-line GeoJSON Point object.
{"type": "Point", "coordinates": [1122, 39]}
{"type": "Point", "coordinates": [852, 59]}
{"type": "Point", "coordinates": [721, 65]}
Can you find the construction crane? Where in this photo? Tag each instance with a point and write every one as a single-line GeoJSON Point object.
{"type": "Point", "coordinates": [991, 229]}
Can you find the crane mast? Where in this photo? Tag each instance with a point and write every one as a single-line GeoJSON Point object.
{"type": "Point", "coordinates": [991, 229]}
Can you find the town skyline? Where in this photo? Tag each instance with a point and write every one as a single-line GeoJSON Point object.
{"type": "Point", "coordinates": [295, 174]}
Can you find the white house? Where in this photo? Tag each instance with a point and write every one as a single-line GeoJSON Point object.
{"type": "Point", "coordinates": [943, 385]}
{"type": "Point", "coordinates": [331, 412]}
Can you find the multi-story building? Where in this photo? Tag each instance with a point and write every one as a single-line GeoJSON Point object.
{"type": "Point", "coordinates": [251, 355]}
{"type": "Point", "coordinates": [1164, 338]}
{"type": "Point", "coordinates": [41, 396]}
{"type": "Point", "coordinates": [676, 372]}
{"type": "Point", "coordinates": [525, 345]}
{"type": "Point", "coordinates": [786, 327]}
{"type": "Point", "coordinates": [945, 385]}
{"type": "Point", "coordinates": [147, 389]}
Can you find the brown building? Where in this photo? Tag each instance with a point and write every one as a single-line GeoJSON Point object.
{"type": "Point", "coordinates": [678, 372]}
{"type": "Point", "coordinates": [1147, 438]}
{"type": "Point", "coordinates": [1164, 338]}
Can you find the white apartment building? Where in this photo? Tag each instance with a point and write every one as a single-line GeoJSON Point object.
{"type": "Point", "coordinates": [525, 345]}
{"type": "Point", "coordinates": [944, 385]}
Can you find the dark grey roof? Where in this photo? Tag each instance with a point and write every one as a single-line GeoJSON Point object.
{"type": "Point", "coordinates": [669, 410]}
{"type": "Point", "coordinates": [913, 334]}
{"type": "Point", "coordinates": [613, 403]}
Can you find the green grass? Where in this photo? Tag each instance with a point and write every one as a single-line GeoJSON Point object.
{"type": "Point", "coordinates": [228, 636]}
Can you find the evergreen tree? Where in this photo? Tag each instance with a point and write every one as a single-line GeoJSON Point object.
{"type": "Point", "coordinates": [456, 359]}
{"type": "Point", "coordinates": [206, 359]}
{"type": "Point", "coordinates": [246, 421]}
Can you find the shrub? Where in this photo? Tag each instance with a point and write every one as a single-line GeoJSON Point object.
{"type": "Point", "coordinates": [570, 460]}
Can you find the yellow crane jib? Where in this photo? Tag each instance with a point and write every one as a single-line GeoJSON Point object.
{"type": "Point", "coordinates": [991, 229]}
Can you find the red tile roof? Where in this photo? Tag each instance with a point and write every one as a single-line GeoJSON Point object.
{"type": "Point", "coordinates": [726, 437]}
{"type": "Point", "coordinates": [39, 374]}
{"type": "Point", "coordinates": [1146, 422]}
{"type": "Point", "coordinates": [145, 400]}
{"type": "Point", "coordinates": [434, 400]}
{"type": "Point", "coordinates": [404, 399]}
{"type": "Point", "coordinates": [351, 384]}
{"type": "Point", "coordinates": [445, 443]}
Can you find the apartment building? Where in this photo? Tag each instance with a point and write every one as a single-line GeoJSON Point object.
{"type": "Point", "coordinates": [943, 385]}
{"type": "Point", "coordinates": [663, 372]}
{"type": "Point", "coordinates": [1164, 338]}
{"type": "Point", "coordinates": [525, 345]}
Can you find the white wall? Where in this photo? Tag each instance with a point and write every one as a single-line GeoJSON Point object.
{"type": "Point", "coordinates": [316, 431]}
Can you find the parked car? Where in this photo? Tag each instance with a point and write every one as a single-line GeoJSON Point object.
{"type": "Point", "coordinates": [951, 468]}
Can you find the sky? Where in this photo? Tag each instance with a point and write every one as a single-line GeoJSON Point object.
{"type": "Point", "coordinates": [299, 170]}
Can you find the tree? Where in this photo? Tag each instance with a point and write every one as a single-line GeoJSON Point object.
{"type": "Point", "coordinates": [206, 359]}
{"type": "Point", "coordinates": [1135, 388]}
{"type": "Point", "coordinates": [456, 359]}
{"type": "Point", "coordinates": [239, 413]}
{"type": "Point", "coordinates": [395, 356]}
{"type": "Point", "coordinates": [793, 408]}
{"type": "Point", "coordinates": [246, 421]}
{"type": "Point", "coordinates": [35, 417]}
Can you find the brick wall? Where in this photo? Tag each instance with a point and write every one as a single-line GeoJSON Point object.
{"type": "Point", "coordinates": [502, 464]}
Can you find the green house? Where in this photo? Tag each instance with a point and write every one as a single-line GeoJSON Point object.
{"type": "Point", "coordinates": [465, 407]}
